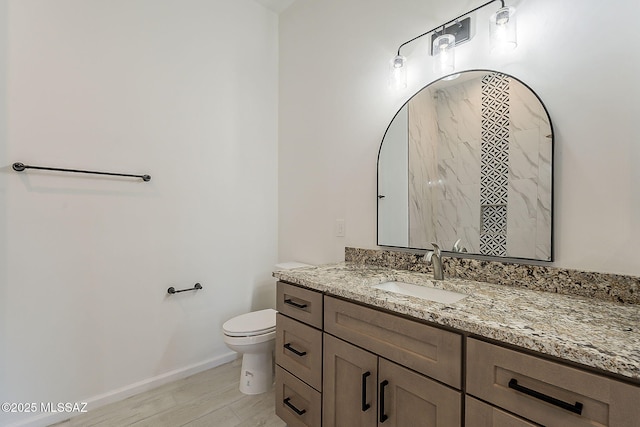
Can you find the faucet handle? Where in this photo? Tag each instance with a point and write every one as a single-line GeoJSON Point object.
{"type": "Point", "coordinates": [457, 247]}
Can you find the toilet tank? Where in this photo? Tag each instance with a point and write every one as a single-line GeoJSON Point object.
{"type": "Point", "coordinates": [290, 265]}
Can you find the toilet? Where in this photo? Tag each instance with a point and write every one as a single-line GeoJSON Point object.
{"type": "Point", "coordinates": [253, 335]}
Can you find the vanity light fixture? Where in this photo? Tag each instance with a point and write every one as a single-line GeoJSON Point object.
{"type": "Point", "coordinates": [398, 72]}
{"type": "Point", "coordinates": [502, 32]}
{"type": "Point", "coordinates": [502, 29]}
{"type": "Point", "coordinates": [444, 53]}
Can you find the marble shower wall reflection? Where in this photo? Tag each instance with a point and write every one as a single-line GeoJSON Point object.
{"type": "Point", "coordinates": [424, 194]}
{"type": "Point", "coordinates": [480, 167]}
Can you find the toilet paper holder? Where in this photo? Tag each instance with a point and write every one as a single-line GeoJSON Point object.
{"type": "Point", "coordinates": [173, 290]}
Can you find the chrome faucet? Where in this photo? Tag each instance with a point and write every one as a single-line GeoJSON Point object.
{"type": "Point", "coordinates": [457, 247]}
{"type": "Point", "coordinates": [435, 258]}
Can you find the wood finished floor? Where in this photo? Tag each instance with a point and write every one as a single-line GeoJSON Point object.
{"type": "Point", "coordinates": [210, 398]}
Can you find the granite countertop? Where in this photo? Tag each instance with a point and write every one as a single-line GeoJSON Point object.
{"type": "Point", "coordinates": [592, 332]}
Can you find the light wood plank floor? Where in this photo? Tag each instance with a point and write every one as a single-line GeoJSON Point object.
{"type": "Point", "coordinates": [210, 398]}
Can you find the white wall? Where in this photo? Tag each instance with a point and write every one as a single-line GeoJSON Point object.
{"type": "Point", "coordinates": [184, 90]}
{"type": "Point", "coordinates": [335, 106]}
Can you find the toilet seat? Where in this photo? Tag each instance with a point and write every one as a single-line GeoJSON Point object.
{"type": "Point", "coordinates": [248, 341]}
{"type": "Point", "coordinates": [252, 324]}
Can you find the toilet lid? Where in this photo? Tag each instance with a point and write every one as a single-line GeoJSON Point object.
{"type": "Point", "coordinates": [249, 324]}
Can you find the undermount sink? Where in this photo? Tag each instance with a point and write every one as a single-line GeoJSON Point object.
{"type": "Point", "coordinates": [425, 292]}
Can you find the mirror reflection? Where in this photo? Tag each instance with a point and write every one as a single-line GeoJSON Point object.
{"type": "Point", "coordinates": [467, 163]}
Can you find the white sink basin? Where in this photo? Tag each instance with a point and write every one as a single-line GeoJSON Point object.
{"type": "Point", "coordinates": [425, 292]}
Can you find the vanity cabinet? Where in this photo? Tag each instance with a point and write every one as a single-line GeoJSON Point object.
{"type": "Point", "coordinates": [350, 384]}
{"type": "Point", "coordinates": [547, 392]}
{"type": "Point", "coordinates": [299, 303]}
{"type": "Point", "coordinates": [362, 388]}
{"type": "Point", "coordinates": [431, 351]}
{"type": "Point", "coordinates": [341, 363]}
{"type": "Point", "coordinates": [479, 414]}
{"type": "Point", "coordinates": [299, 350]}
{"type": "Point", "coordinates": [298, 354]}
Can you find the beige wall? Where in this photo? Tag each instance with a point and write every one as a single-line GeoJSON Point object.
{"type": "Point", "coordinates": [335, 106]}
{"type": "Point", "coordinates": [184, 90]}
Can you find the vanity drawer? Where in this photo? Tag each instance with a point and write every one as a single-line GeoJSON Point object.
{"type": "Point", "coordinates": [479, 414]}
{"type": "Point", "coordinates": [297, 404]}
{"type": "Point", "coordinates": [302, 304]}
{"type": "Point", "coordinates": [299, 350]}
{"type": "Point", "coordinates": [548, 392]}
{"type": "Point", "coordinates": [431, 351]}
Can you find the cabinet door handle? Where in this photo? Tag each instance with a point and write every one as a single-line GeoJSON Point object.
{"type": "Point", "coordinates": [365, 405]}
{"type": "Point", "coordinates": [383, 416]}
{"type": "Point", "coordinates": [293, 350]}
{"type": "Point", "coordinates": [290, 405]}
{"type": "Point", "coordinates": [295, 304]}
{"type": "Point", "coordinates": [576, 409]}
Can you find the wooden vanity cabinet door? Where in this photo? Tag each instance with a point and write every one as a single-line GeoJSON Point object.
{"type": "Point", "coordinates": [299, 303]}
{"type": "Point", "coordinates": [479, 414]}
{"type": "Point", "coordinates": [426, 349]}
{"type": "Point", "coordinates": [409, 399]}
{"type": "Point", "coordinates": [346, 369]}
{"type": "Point", "coordinates": [299, 350]}
{"type": "Point", "coordinates": [604, 402]}
{"type": "Point", "coordinates": [297, 404]}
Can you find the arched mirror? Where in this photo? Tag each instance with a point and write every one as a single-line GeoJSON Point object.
{"type": "Point", "coordinates": [468, 163]}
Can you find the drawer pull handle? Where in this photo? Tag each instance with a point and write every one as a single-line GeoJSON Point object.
{"type": "Point", "coordinates": [290, 405]}
{"type": "Point", "coordinates": [383, 416]}
{"type": "Point", "coordinates": [365, 405]}
{"type": "Point", "coordinates": [295, 304]}
{"type": "Point", "coordinates": [294, 351]}
{"type": "Point", "coordinates": [576, 409]}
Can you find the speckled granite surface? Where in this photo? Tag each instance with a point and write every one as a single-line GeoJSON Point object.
{"type": "Point", "coordinates": [592, 332]}
{"type": "Point", "coordinates": [608, 287]}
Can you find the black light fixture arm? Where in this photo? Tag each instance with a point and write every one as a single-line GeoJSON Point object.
{"type": "Point", "coordinates": [448, 22]}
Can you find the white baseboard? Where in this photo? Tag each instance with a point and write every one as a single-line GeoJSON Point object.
{"type": "Point", "coordinates": [129, 390]}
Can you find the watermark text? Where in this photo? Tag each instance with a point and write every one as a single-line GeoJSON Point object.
{"type": "Point", "coordinates": [48, 407]}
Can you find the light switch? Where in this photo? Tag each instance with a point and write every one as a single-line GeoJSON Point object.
{"type": "Point", "coordinates": [339, 227]}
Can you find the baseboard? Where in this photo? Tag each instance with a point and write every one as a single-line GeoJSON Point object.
{"type": "Point", "coordinates": [129, 390]}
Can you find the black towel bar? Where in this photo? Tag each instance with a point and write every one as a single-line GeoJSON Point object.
{"type": "Point", "coordinates": [172, 290]}
{"type": "Point", "coordinates": [19, 167]}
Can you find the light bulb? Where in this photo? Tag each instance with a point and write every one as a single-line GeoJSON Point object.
{"type": "Point", "coordinates": [502, 29]}
{"type": "Point", "coordinates": [398, 72]}
{"type": "Point", "coordinates": [444, 53]}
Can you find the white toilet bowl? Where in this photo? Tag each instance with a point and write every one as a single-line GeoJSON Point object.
{"type": "Point", "coordinates": [253, 335]}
